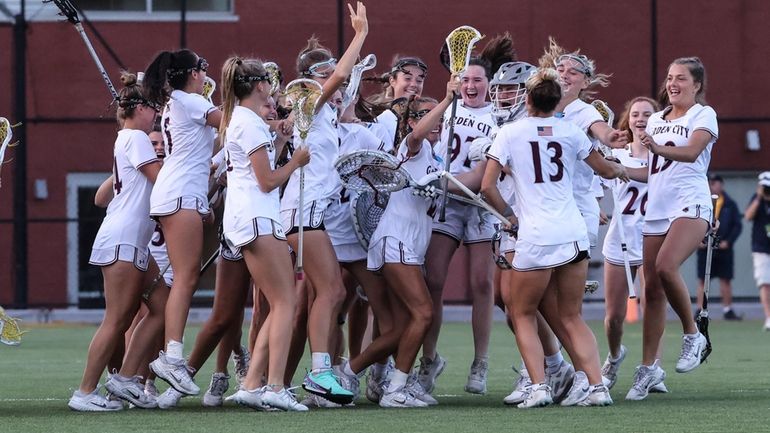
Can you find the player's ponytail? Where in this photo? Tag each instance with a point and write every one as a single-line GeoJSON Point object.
{"type": "Point", "coordinates": [129, 97]}
{"type": "Point", "coordinates": [497, 51]}
{"type": "Point", "coordinates": [240, 77]}
{"type": "Point", "coordinates": [169, 69]}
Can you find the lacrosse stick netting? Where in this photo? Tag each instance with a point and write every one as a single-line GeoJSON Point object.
{"type": "Point", "coordinates": [275, 76]}
{"type": "Point", "coordinates": [609, 117]}
{"type": "Point", "coordinates": [6, 135]}
{"type": "Point", "coordinates": [460, 44]}
{"type": "Point", "coordinates": [371, 170]}
{"type": "Point", "coordinates": [351, 91]}
{"type": "Point", "coordinates": [10, 333]}
{"type": "Point", "coordinates": [367, 209]}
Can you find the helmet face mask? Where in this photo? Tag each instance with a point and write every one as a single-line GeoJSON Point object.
{"type": "Point", "coordinates": [507, 91]}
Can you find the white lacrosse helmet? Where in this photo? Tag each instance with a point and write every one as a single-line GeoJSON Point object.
{"type": "Point", "coordinates": [508, 103]}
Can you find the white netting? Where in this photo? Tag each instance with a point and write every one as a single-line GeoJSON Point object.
{"type": "Point", "coordinates": [460, 44]}
{"type": "Point", "coordinates": [609, 117]}
{"type": "Point", "coordinates": [274, 75]}
{"type": "Point", "coordinates": [371, 170]}
{"type": "Point", "coordinates": [209, 86]}
{"type": "Point", "coordinates": [303, 96]}
{"type": "Point", "coordinates": [369, 62]}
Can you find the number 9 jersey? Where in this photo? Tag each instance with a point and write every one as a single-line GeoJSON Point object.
{"type": "Point", "coordinates": [542, 154]}
{"type": "Point", "coordinates": [676, 188]}
{"type": "Point", "coordinates": [470, 123]}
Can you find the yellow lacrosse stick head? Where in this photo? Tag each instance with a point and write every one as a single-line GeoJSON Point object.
{"type": "Point", "coordinates": [303, 95]}
{"type": "Point", "coordinates": [460, 43]}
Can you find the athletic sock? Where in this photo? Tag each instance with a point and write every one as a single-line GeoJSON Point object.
{"type": "Point", "coordinates": [397, 380]}
{"type": "Point", "coordinates": [727, 308]}
{"type": "Point", "coordinates": [347, 370]}
{"type": "Point", "coordinates": [320, 361]}
{"type": "Point", "coordinates": [553, 362]}
{"type": "Point", "coordinates": [174, 349]}
{"type": "Point", "coordinates": [481, 359]}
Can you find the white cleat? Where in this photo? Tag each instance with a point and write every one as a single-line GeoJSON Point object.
{"type": "Point", "coordinates": [215, 395]}
{"type": "Point", "coordinates": [312, 400]}
{"type": "Point", "coordinates": [93, 402]}
{"type": "Point", "coordinates": [611, 367]}
{"type": "Point", "coordinates": [538, 395]}
{"type": "Point", "coordinates": [598, 395]}
{"type": "Point", "coordinates": [170, 398]}
{"type": "Point", "coordinates": [282, 400]}
{"type": "Point", "coordinates": [400, 398]}
{"type": "Point", "coordinates": [477, 378]}
{"type": "Point", "coordinates": [560, 381]}
{"type": "Point", "coordinates": [659, 389]}
{"type": "Point", "coordinates": [373, 388]}
{"type": "Point", "coordinates": [241, 364]}
{"type": "Point", "coordinates": [414, 388]}
{"type": "Point", "coordinates": [430, 369]}
{"type": "Point", "coordinates": [767, 325]}
{"type": "Point", "coordinates": [579, 390]}
{"type": "Point", "coordinates": [131, 390]}
{"type": "Point", "coordinates": [692, 348]}
{"type": "Point", "coordinates": [175, 372]}
{"type": "Point", "coordinates": [520, 388]}
{"type": "Point", "coordinates": [644, 379]}
{"type": "Point", "coordinates": [150, 388]}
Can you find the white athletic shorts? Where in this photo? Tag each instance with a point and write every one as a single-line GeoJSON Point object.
{"type": "Point", "coordinates": [507, 243]}
{"type": "Point", "coordinates": [140, 257]}
{"type": "Point", "coordinates": [312, 218]}
{"type": "Point", "coordinates": [660, 227]}
{"type": "Point", "coordinates": [466, 223]}
{"type": "Point", "coordinates": [531, 257]}
{"type": "Point", "coordinates": [161, 258]}
{"type": "Point", "coordinates": [342, 234]}
{"type": "Point", "coordinates": [761, 268]}
{"type": "Point", "coordinates": [391, 250]}
{"type": "Point", "coordinates": [186, 202]}
{"type": "Point", "coordinates": [249, 233]}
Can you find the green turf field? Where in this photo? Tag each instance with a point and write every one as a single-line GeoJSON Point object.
{"type": "Point", "coordinates": [730, 393]}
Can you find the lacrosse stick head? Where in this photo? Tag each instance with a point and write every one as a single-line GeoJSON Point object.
{"type": "Point", "coordinates": [6, 133]}
{"type": "Point", "coordinates": [209, 86]}
{"type": "Point", "coordinates": [702, 322]}
{"type": "Point", "coordinates": [609, 117]}
{"type": "Point", "coordinates": [275, 76]}
{"type": "Point", "coordinates": [508, 92]}
{"type": "Point", "coordinates": [351, 90]}
{"type": "Point", "coordinates": [367, 209]}
{"type": "Point", "coordinates": [458, 47]}
{"type": "Point", "coordinates": [303, 94]}
{"type": "Point", "coordinates": [10, 333]}
{"type": "Point", "coordinates": [371, 170]}
{"type": "Point", "coordinates": [67, 10]}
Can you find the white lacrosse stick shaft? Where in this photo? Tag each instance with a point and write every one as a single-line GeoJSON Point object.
{"type": "Point", "coordinates": [98, 62]}
{"type": "Point", "coordinates": [617, 216]}
{"type": "Point", "coordinates": [476, 198]}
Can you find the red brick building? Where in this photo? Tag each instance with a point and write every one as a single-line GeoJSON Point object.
{"type": "Point", "coordinates": [69, 130]}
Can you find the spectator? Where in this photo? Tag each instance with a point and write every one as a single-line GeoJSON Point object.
{"type": "Point", "coordinates": [759, 213]}
{"type": "Point", "coordinates": [726, 211]}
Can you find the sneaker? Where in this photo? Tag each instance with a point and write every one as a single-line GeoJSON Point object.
{"type": "Point", "coordinates": [131, 390]}
{"type": "Point", "coordinates": [767, 325]}
{"type": "Point", "coordinates": [150, 388]}
{"type": "Point", "coordinates": [414, 388]}
{"type": "Point", "coordinates": [611, 367]}
{"type": "Point", "coordinates": [692, 348]}
{"type": "Point", "coordinates": [241, 364]}
{"type": "Point", "coordinates": [281, 400]}
{"type": "Point", "coordinates": [520, 388]}
{"type": "Point", "coordinates": [400, 398]}
{"type": "Point", "coordinates": [730, 315]}
{"type": "Point", "coordinates": [92, 402]}
{"type": "Point", "coordinates": [659, 389]}
{"type": "Point", "coordinates": [252, 399]}
{"type": "Point", "coordinates": [598, 395]}
{"type": "Point", "coordinates": [560, 381]}
{"type": "Point", "coordinates": [170, 398]}
{"type": "Point", "coordinates": [351, 383]}
{"type": "Point", "coordinates": [215, 395]}
{"type": "Point", "coordinates": [430, 370]}
{"type": "Point", "coordinates": [579, 390]}
{"type": "Point", "coordinates": [477, 378]}
{"type": "Point", "coordinates": [373, 388]}
{"type": "Point", "coordinates": [324, 383]}
{"type": "Point", "coordinates": [591, 287]}
{"type": "Point", "coordinates": [644, 379]}
{"type": "Point", "coordinates": [537, 396]}
{"type": "Point", "coordinates": [312, 400]}
{"type": "Point", "coordinates": [175, 373]}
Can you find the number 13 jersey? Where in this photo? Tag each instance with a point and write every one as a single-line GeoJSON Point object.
{"type": "Point", "coordinates": [542, 154]}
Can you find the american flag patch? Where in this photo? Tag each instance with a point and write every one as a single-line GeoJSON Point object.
{"type": "Point", "coordinates": [544, 131]}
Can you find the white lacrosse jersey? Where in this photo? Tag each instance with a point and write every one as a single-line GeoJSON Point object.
{"type": "Point", "coordinates": [244, 201]}
{"type": "Point", "coordinates": [672, 185]}
{"type": "Point", "coordinates": [128, 215]}
{"type": "Point", "coordinates": [409, 218]}
{"type": "Point", "coordinates": [584, 115]}
{"type": "Point", "coordinates": [631, 198]}
{"type": "Point", "coordinates": [323, 142]}
{"type": "Point", "coordinates": [470, 123]}
{"type": "Point", "coordinates": [542, 154]}
{"type": "Point", "coordinates": [389, 124]}
{"type": "Point", "coordinates": [189, 146]}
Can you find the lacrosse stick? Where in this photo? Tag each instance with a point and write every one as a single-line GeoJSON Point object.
{"type": "Point", "coordinates": [6, 135]}
{"type": "Point", "coordinates": [702, 321]}
{"type": "Point", "coordinates": [367, 209]}
{"type": "Point", "coordinates": [351, 91]}
{"type": "Point", "coordinates": [274, 75]}
{"type": "Point", "coordinates": [69, 11]}
{"type": "Point", "coordinates": [303, 95]}
{"type": "Point", "coordinates": [10, 333]}
{"type": "Point", "coordinates": [209, 86]}
{"type": "Point", "coordinates": [609, 117]}
{"type": "Point", "coordinates": [457, 51]}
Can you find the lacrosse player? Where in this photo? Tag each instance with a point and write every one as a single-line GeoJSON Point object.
{"type": "Point", "coordinates": [467, 224]}
{"type": "Point", "coordinates": [120, 248]}
{"type": "Point", "coordinates": [552, 246]}
{"type": "Point", "coordinates": [315, 62]}
{"type": "Point", "coordinates": [679, 140]}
